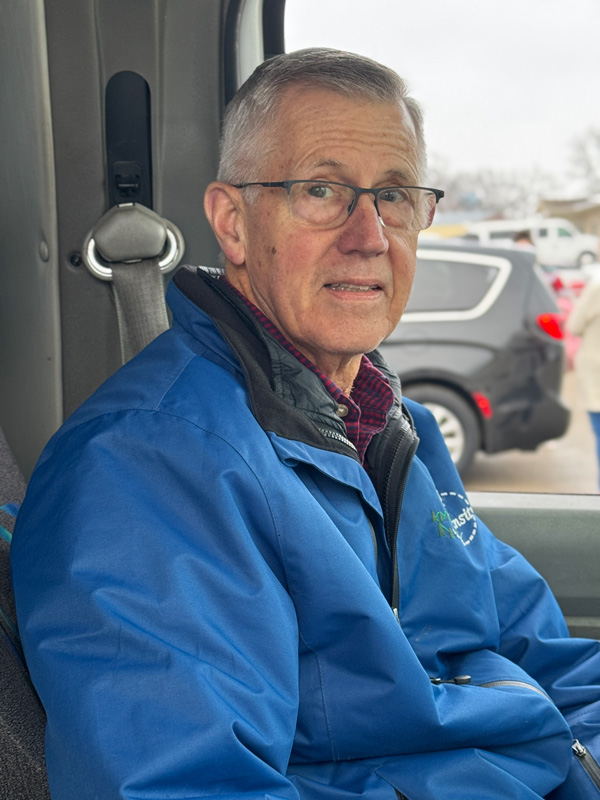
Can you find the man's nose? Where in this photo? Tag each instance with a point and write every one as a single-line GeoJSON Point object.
{"type": "Point", "coordinates": [363, 230]}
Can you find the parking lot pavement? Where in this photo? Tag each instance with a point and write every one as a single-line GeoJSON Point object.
{"type": "Point", "coordinates": [565, 465]}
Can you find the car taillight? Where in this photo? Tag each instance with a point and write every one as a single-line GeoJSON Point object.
{"type": "Point", "coordinates": [551, 324]}
{"type": "Point", "coordinates": [483, 404]}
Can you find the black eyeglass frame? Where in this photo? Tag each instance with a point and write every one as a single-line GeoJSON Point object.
{"type": "Point", "coordinates": [358, 190]}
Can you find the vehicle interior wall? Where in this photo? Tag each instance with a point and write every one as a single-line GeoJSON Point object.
{"type": "Point", "coordinates": [170, 51]}
{"type": "Point", "coordinates": [559, 535]}
{"type": "Point", "coordinates": [59, 326]}
{"type": "Point", "coordinates": [30, 355]}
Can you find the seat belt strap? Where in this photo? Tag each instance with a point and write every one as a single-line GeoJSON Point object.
{"type": "Point", "coordinates": [133, 247]}
{"type": "Point", "coordinates": [140, 303]}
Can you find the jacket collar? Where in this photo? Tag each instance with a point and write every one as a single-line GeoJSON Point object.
{"type": "Point", "coordinates": [286, 398]}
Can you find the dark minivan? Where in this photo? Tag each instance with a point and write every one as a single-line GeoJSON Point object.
{"type": "Point", "coordinates": [480, 345]}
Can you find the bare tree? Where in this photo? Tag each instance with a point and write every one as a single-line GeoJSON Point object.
{"type": "Point", "coordinates": [585, 159]}
{"type": "Point", "coordinates": [495, 192]}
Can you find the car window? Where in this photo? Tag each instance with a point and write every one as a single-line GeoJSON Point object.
{"type": "Point", "coordinates": [507, 143]}
{"type": "Point", "coordinates": [563, 232]}
{"type": "Point", "coordinates": [442, 285]}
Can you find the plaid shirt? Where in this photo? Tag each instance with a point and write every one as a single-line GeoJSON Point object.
{"type": "Point", "coordinates": [365, 413]}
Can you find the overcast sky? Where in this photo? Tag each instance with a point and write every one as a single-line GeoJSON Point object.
{"type": "Point", "coordinates": [503, 83]}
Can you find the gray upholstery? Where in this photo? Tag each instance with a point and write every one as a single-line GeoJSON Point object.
{"type": "Point", "coordinates": [22, 719]}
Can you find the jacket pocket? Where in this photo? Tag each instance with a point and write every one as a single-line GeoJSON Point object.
{"type": "Point", "coordinates": [520, 684]}
{"type": "Point", "coordinates": [391, 780]}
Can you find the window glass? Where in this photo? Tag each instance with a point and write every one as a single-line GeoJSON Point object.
{"type": "Point", "coordinates": [506, 139]}
{"type": "Point", "coordinates": [564, 232]}
{"type": "Point", "coordinates": [486, 112]}
{"type": "Point", "coordinates": [449, 285]}
{"type": "Point", "coordinates": [501, 234]}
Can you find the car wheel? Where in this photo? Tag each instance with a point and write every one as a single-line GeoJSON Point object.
{"type": "Point", "coordinates": [456, 420]}
{"type": "Point", "coordinates": [586, 258]}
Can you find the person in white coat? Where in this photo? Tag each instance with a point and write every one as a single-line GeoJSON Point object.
{"type": "Point", "coordinates": [584, 321]}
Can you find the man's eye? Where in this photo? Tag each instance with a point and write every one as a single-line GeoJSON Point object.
{"type": "Point", "coordinates": [321, 191]}
{"type": "Point", "coordinates": [395, 195]}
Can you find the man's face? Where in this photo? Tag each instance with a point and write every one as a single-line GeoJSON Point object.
{"type": "Point", "coordinates": [335, 294]}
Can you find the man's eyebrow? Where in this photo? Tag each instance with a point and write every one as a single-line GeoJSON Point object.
{"type": "Point", "coordinates": [393, 177]}
{"type": "Point", "coordinates": [397, 177]}
{"type": "Point", "coordinates": [329, 162]}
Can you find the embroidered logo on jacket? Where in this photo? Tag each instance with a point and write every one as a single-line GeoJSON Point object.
{"type": "Point", "coordinates": [457, 520]}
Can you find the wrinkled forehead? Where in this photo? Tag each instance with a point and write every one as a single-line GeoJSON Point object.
{"type": "Point", "coordinates": [315, 126]}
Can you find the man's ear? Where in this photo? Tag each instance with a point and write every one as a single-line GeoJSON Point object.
{"type": "Point", "coordinates": [224, 211]}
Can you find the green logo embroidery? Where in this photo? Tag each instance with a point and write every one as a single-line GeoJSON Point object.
{"type": "Point", "coordinates": [444, 523]}
{"type": "Point", "coordinates": [457, 520]}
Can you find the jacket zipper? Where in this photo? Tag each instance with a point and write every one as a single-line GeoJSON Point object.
{"type": "Point", "coordinates": [393, 496]}
{"type": "Point", "coordinates": [588, 762]}
{"type": "Point", "coordinates": [522, 684]}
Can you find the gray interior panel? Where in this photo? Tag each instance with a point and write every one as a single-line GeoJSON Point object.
{"type": "Point", "coordinates": [59, 329]}
{"type": "Point", "coordinates": [30, 352]}
{"type": "Point", "coordinates": [560, 536]}
{"type": "Point", "coordinates": [180, 60]}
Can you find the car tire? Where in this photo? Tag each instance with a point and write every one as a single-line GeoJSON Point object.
{"type": "Point", "coordinates": [456, 419]}
{"type": "Point", "coordinates": [586, 258]}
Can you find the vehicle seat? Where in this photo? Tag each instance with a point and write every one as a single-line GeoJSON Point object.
{"type": "Point", "coordinates": [22, 718]}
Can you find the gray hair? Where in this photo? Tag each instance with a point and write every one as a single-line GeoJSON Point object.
{"type": "Point", "coordinates": [249, 122]}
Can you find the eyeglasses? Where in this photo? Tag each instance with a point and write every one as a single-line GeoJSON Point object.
{"type": "Point", "coordinates": [327, 204]}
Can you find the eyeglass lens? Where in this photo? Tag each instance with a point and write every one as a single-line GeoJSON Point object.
{"type": "Point", "coordinates": [329, 204]}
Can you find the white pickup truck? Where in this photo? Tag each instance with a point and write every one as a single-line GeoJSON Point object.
{"type": "Point", "coordinates": [557, 241]}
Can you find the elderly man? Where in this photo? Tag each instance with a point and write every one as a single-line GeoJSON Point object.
{"type": "Point", "coordinates": [237, 570]}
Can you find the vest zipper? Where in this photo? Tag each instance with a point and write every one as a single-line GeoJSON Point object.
{"type": "Point", "coordinates": [588, 762]}
{"type": "Point", "coordinates": [396, 477]}
{"type": "Point", "coordinates": [338, 437]}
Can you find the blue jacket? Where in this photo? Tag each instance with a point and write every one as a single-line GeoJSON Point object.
{"type": "Point", "coordinates": [217, 599]}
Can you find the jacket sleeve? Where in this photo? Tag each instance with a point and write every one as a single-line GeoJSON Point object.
{"type": "Point", "coordinates": [586, 308]}
{"type": "Point", "coordinates": [155, 618]}
{"type": "Point", "coordinates": [535, 636]}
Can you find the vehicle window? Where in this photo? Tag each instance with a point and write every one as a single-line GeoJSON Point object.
{"type": "Point", "coordinates": [449, 286]}
{"type": "Point", "coordinates": [497, 157]}
{"type": "Point", "coordinates": [563, 232]}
